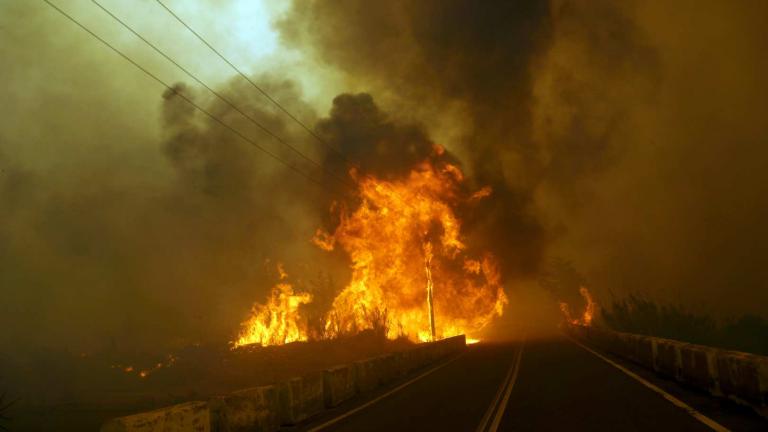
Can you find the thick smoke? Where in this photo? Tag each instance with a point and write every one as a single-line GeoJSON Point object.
{"type": "Point", "coordinates": [367, 139]}
{"type": "Point", "coordinates": [128, 219]}
{"type": "Point", "coordinates": [626, 138]}
{"type": "Point", "coordinates": [470, 60]}
{"type": "Point", "coordinates": [153, 265]}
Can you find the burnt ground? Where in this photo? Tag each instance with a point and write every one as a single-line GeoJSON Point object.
{"type": "Point", "coordinates": [63, 391]}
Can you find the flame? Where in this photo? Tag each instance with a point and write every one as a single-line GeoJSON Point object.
{"type": "Point", "coordinates": [278, 321]}
{"type": "Point", "coordinates": [281, 271]}
{"type": "Point", "coordinates": [411, 272]}
{"type": "Point", "coordinates": [589, 309]}
{"type": "Point", "coordinates": [482, 193]}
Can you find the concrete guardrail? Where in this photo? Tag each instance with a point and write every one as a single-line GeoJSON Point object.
{"type": "Point", "coordinates": [266, 408]}
{"type": "Point", "coordinates": [189, 416]}
{"type": "Point", "coordinates": [739, 376]}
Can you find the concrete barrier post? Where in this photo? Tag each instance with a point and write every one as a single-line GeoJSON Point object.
{"type": "Point", "coordinates": [668, 359]}
{"type": "Point", "coordinates": [400, 365]}
{"type": "Point", "coordinates": [300, 398]}
{"type": "Point", "coordinates": [698, 367]}
{"type": "Point", "coordinates": [338, 385]}
{"type": "Point", "coordinates": [190, 416]}
{"type": "Point", "coordinates": [372, 373]}
{"type": "Point", "coordinates": [254, 409]}
{"type": "Point", "coordinates": [645, 351]}
{"type": "Point", "coordinates": [762, 373]}
{"type": "Point", "coordinates": [738, 374]}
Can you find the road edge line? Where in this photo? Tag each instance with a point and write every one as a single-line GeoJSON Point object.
{"type": "Point", "coordinates": [675, 401]}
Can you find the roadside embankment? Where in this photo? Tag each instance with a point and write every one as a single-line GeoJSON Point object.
{"type": "Point", "coordinates": [266, 408]}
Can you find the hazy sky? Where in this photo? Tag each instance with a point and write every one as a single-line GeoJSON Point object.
{"type": "Point", "coordinates": [629, 138]}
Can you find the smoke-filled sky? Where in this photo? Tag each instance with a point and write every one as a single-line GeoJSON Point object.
{"type": "Point", "coordinates": [626, 137]}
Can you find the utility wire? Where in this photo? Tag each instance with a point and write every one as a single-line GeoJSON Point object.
{"type": "Point", "coordinates": [257, 87]}
{"type": "Point", "coordinates": [186, 99]}
{"type": "Point", "coordinates": [220, 96]}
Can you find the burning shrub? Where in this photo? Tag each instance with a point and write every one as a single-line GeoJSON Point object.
{"type": "Point", "coordinates": [412, 274]}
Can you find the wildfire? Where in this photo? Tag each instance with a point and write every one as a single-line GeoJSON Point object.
{"type": "Point", "coordinates": [589, 309]}
{"type": "Point", "coordinates": [409, 262]}
{"type": "Point", "coordinates": [411, 272]}
{"type": "Point", "coordinates": [278, 321]}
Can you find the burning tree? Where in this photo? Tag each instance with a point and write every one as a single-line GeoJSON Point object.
{"type": "Point", "coordinates": [410, 265]}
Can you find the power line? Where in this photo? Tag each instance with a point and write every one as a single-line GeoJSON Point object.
{"type": "Point", "coordinates": [185, 98]}
{"type": "Point", "coordinates": [257, 87]}
{"type": "Point", "coordinates": [220, 96]}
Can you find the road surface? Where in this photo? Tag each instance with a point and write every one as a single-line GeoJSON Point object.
{"type": "Point", "coordinates": [544, 385]}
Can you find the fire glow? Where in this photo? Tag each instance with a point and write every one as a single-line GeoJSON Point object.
{"type": "Point", "coordinates": [589, 309]}
{"type": "Point", "coordinates": [412, 274]}
{"type": "Point", "coordinates": [143, 373]}
{"type": "Point", "coordinates": [278, 321]}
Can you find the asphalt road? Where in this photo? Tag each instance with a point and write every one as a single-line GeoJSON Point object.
{"type": "Point", "coordinates": [555, 385]}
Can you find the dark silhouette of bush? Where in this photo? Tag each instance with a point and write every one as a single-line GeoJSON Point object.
{"type": "Point", "coordinates": [5, 406]}
{"type": "Point", "coordinates": [748, 333]}
{"type": "Point", "coordinates": [640, 315]}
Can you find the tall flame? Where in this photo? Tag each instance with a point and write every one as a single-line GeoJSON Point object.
{"type": "Point", "coordinates": [411, 272]}
{"type": "Point", "coordinates": [589, 310]}
{"type": "Point", "coordinates": [404, 241]}
{"type": "Point", "coordinates": [278, 321]}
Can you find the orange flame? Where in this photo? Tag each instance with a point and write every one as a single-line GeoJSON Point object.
{"type": "Point", "coordinates": [279, 320]}
{"type": "Point", "coordinates": [411, 273]}
{"type": "Point", "coordinates": [589, 309]}
{"type": "Point", "coordinates": [404, 242]}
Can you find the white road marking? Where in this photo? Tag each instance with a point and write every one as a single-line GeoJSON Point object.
{"type": "Point", "coordinates": [495, 403]}
{"type": "Point", "coordinates": [373, 401]}
{"type": "Point", "coordinates": [499, 404]}
{"type": "Point", "coordinates": [503, 406]}
{"type": "Point", "coordinates": [677, 402]}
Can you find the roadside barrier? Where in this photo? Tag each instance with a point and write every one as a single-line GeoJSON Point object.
{"type": "Point", "coordinates": [739, 376]}
{"type": "Point", "coordinates": [266, 408]}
